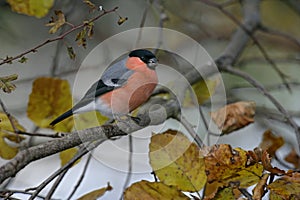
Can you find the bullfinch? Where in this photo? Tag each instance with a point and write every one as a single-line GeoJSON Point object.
{"type": "Point", "coordinates": [123, 87]}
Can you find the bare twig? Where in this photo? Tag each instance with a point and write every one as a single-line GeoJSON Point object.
{"type": "Point", "coordinates": [60, 37]}
{"type": "Point", "coordinates": [240, 39]}
{"type": "Point", "coordinates": [129, 173]}
{"type": "Point", "coordinates": [83, 150]}
{"type": "Point", "coordinates": [271, 31]}
{"type": "Point", "coordinates": [56, 183]}
{"type": "Point", "coordinates": [190, 130]}
{"type": "Point", "coordinates": [81, 176]}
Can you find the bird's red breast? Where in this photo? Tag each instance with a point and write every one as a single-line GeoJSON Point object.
{"type": "Point", "coordinates": [135, 92]}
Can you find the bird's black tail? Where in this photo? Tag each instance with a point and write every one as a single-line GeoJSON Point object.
{"type": "Point", "coordinates": [62, 117]}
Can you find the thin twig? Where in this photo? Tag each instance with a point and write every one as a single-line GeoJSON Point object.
{"type": "Point", "coordinates": [60, 37]}
{"type": "Point", "coordinates": [81, 176]}
{"type": "Point", "coordinates": [271, 31]}
{"type": "Point", "coordinates": [249, 32]}
{"type": "Point", "coordinates": [129, 173]}
{"type": "Point", "coordinates": [79, 154]}
{"type": "Point", "coordinates": [9, 116]}
{"type": "Point", "coordinates": [190, 130]}
{"type": "Point", "coordinates": [56, 183]}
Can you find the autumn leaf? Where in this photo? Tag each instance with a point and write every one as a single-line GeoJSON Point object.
{"type": "Point", "coordinates": [293, 158]}
{"type": "Point", "coordinates": [50, 97]}
{"type": "Point", "coordinates": [271, 142]}
{"type": "Point", "coordinates": [259, 190]}
{"type": "Point", "coordinates": [6, 83]}
{"type": "Point", "coordinates": [156, 191]}
{"type": "Point", "coordinates": [266, 162]}
{"type": "Point", "coordinates": [36, 8]}
{"type": "Point", "coordinates": [71, 53]}
{"type": "Point", "coordinates": [176, 161]}
{"type": "Point", "coordinates": [286, 187]}
{"type": "Point", "coordinates": [57, 22]}
{"type": "Point", "coordinates": [203, 91]}
{"type": "Point", "coordinates": [225, 194]}
{"type": "Point", "coordinates": [95, 194]}
{"type": "Point", "coordinates": [122, 20]}
{"type": "Point", "coordinates": [91, 5]}
{"type": "Point", "coordinates": [234, 116]}
{"type": "Point", "coordinates": [224, 165]}
{"type": "Point", "coordinates": [66, 155]}
{"type": "Point", "coordinates": [7, 133]}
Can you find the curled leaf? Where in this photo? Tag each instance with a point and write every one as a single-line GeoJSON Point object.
{"type": "Point", "coordinates": [234, 116]}
{"type": "Point", "coordinates": [148, 190]}
{"type": "Point", "coordinates": [122, 20]}
{"type": "Point", "coordinates": [6, 83]}
{"type": "Point", "coordinates": [57, 22]}
{"type": "Point", "coordinates": [176, 161]}
{"type": "Point", "coordinates": [7, 151]}
{"type": "Point", "coordinates": [50, 97]}
{"type": "Point", "coordinates": [71, 53]}
{"type": "Point", "coordinates": [271, 142]}
{"type": "Point", "coordinates": [259, 190]}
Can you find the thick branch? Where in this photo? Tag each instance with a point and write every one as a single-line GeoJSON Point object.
{"type": "Point", "coordinates": [23, 158]}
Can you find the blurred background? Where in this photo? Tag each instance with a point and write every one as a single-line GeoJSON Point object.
{"type": "Point", "coordinates": [205, 24]}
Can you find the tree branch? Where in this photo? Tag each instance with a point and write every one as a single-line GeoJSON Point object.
{"type": "Point", "coordinates": [75, 138]}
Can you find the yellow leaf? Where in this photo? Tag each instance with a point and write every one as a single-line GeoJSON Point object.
{"type": "Point", "coordinates": [66, 155]}
{"type": "Point", "coordinates": [203, 91]}
{"type": "Point", "coordinates": [234, 116]}
{"type": "Point", "coordinates": [6, 133]}
{"type": "Point", "coordinates": [152, 191]}
{"type": "Point", "coordinates": [177, 161]}
{"type": "Point", "coordinates": [286, 187]}
{"type": "Point", "coordinates": [89, 119]}
{"type": "Point", "coordinates": [224, 165]}
{"type": "Point", "coordinates": [58, 22]}
{"type": "Point", "coordinates": [36, 8]}
{"type": "Point", "coordinates": [95, 194]}
{"type": "Point", "coordinates": [50, 97]}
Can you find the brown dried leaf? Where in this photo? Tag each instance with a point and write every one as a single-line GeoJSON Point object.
{"type": "Point", "coordinates": [258, 191]}
{"type": "Point", "coordinates": [266, 162]}
{"type": "Point", "coordinates": [271, 142]}
{"type": "Point", "coordinates": [293, 158]}
{"type": "Point", "coordinates": [224, 166]}
{"type": "Point", "coordinates": [234, 116]}
{"type": "Point", "coordinates": [152, 191]}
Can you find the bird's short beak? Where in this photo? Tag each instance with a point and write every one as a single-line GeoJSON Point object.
{"type": "Point", "coordinates": [152, 63]}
